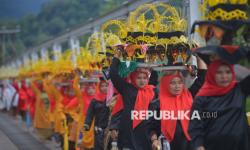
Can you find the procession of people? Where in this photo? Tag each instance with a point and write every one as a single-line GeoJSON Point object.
{"type": "Point", "coordinates": [142, 84]}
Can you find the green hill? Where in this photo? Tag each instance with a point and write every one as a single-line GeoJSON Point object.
{"type": "Point", "coordinates": [54, 17]}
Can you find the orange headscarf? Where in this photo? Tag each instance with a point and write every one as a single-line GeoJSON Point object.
{"type": "Point", "coordinates": [174, 103]}
{"type": "Point", "coordinates": [99, 96]}
{"type": "Point", "coordinates": [23, 97]}
{"type": "Point", "coordinates": [144, 96]}
{"type": "Point", "coordinates": [85, 97]}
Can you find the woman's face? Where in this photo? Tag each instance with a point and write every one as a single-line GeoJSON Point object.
{"type": "Point", "coordinates": [176, 86]}
{"type": "Point", "coordinates": [103, 87]}
{"type": "Point", "coordinates": [223, 76]}
{"type": "Point", "coordinates": [70, 92]}
{"type": "Point", "coordinates": [91, 90]}
{"type": "Point", "coordinates": [141, 80]}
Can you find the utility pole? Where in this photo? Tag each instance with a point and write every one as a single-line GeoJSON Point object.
{"type": "Point", "coordinates": [4, 33]}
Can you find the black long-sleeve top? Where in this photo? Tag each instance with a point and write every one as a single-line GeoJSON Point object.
{"type": "Point", "coordinates": [195, 87]}
{"type": "Point", "coordinates": [99, 111]}
{"type": "Point", "coordinates": [138, 138]}
{"type": "Point", "coordinates": [223, 123]}
{"type": "Point", "coordinates": [180, 142]}
{"type": "Point", "coordinates": [115, 119]}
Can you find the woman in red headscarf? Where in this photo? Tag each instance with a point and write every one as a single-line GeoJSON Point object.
{"type": "Point", "coordinates": [77, 108]}
{"type": "Point", "coordinates": [117, 109]}
{"type": "Point", "coordinates": [136, 96]}
{"type": "Point", "coordinates": [67, 93]}
{"type": "Point", "coordinates": [221, 101]}
{"type": "Point", "coordinates": [23, 100]}
{"type": "Point", "coordinates": [87, 94]}
{"type": "Point", "coordinates": [98, 110]}
{"type": "Point", "coordinates": [31, 101]}
{"type": "Point", "coordinates": [175, 98]}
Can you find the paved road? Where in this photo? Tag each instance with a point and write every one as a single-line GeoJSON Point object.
{"type": "Point", "coordinates": [5, 143]}
{"type": "Point", "coordinates": [13, 136]}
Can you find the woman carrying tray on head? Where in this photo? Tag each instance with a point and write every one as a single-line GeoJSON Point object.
{"type": "Point", "coordinates": [117, 109]}
{"type": "Point", "coordinates": [137, 96]}
{"type": "Point", "coordinates": [222, 98]}
{"type": "Point", "coordinates": [221, 94]}
{"type": "Point", "coordinates": [77, 108]}
{"type": "Point", "coordinates": [99, 112]}
{"type": "Point", "coordinates": [174, 97]}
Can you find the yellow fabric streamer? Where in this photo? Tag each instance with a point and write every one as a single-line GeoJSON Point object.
{"type": "Point", "coordinates": [88, 136]}
{"type": "Point", "coordinates": [41, 115]}
{"type": "Point", "coordinates": [66, 138]}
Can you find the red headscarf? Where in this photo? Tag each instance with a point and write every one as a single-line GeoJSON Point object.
{"type": "Point", "coordinates": [66, 96]}
{"type": "Point", "coordinates": [118, 105]}
{"type": "Point", "coordinates": [210, 88]}
{"type": "Point", "coordinates": [31, 101]}
{"type": "Point", "coordinates": [23, 85]}
{"type": "Point", "coordinates": [15, 85]}
{"type": "Point", "coordinates": [39, 86]}
{"type": "Point", "coordinates": [173, 103]}
{"type": "Point", "coordinates": [144, 95]}
{"type": "Point", "coordinates": [99, 95]}
{"type": "Point", "coordinates": [23, 97]}
{"type": "Point", "coordinates": [85, 98]}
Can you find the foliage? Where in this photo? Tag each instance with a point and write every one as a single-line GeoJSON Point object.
{"type": "Point", "coordinates": [56, 17]}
